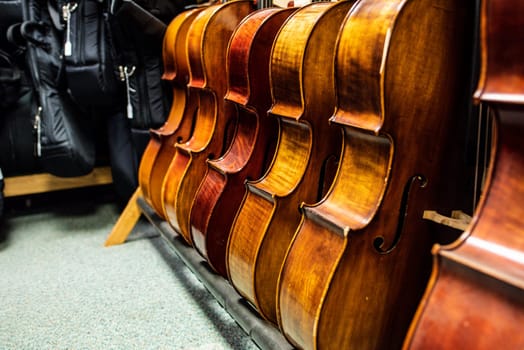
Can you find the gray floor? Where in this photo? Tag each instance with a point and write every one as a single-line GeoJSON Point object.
{"type": "Point", "coordinates": [61, 289]}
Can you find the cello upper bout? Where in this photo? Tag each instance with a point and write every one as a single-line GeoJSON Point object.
{"type": "Point", "coordinates": [207, 35]}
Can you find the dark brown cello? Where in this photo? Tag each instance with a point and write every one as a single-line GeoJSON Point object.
{"type": "Point", "coordinates": [303, 100]}
{"type": "Point", "coordinates": [359, 261]}
{"type": "Point", "coordinates": [222, 189]}
{"type": "Point", "coordinates": [475, 298]}
{"type": "Point", "coordinates": [215, 120]}
{"type": "Point", "coordinates": [160, 150]}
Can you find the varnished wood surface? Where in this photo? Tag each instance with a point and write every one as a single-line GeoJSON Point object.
{"type": "Point", "coordinates": [38, 183]}
{"type": "Point", "coordinates": [178, 127]}
{"type": "Point", "coordinates": [215, 119]}
{"type": "Point", "coordinates": [360, 259]}
{"type": "Point", "coordinates": [303, 99]}
{"type": "Point", "coordinates": [126, 221]}
{"type": "Point", "coordinates": [475, 298]}
{"type": "Point", "coordinates": [222, 189]}
{"type": "Point", "coordinates": [478, 282]}
{"type": "Point", "coordinates": [502, 72]}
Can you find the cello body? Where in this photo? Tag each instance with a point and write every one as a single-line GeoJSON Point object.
{"type": "Point", "coordinates": [178, 126]}
{"type": "Point", "coordinates": [359, 261]}
{"type": "Point", "coordinates": [475, 298]}
{"type": "Point", "coordinates": [215, 119]}
{"type": "Point", "coordinates": [253, 144]}
{"type": "Point", "coordinates": [303, 99]}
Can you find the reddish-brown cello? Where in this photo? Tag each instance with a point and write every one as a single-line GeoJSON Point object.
{"type": "Point", "coordinates": [178, 127]}
{"type": "Point", "coordinates": [360, 260]}
{"type": "Point", "coordinates": [207, 42]}
{"type": "Point", "coordinates": [475, 298]}
{"type": "Point", "coordinates": [303, 100]}
{"type": "Point", "coordinates": [222, 189]}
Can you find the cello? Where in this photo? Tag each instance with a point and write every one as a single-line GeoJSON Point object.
{"type": "Point", "coordinates": [475, 297]}
{"type": "Point", "coordinates": [253, 144]}
{"type": "Point", "coordinates": [179, 124]}
{"type": "Point", "coordinates": [215, 119]}
{"type": "Point", "coordinates": [303, 98]}
{"type": "Point", "coordinates": [359, 260]}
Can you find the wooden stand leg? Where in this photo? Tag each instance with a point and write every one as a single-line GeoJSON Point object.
{"type": "Point", "coordinates": [125, 222]}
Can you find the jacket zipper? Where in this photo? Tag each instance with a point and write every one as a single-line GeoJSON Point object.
{"type": "Point", "coordinates": [67, 10]}
{"type": "Point", "coordinates": [37, 129]}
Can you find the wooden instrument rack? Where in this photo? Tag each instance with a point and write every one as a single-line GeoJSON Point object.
{"type": "Point", "coordinates": [43, 182]}
{"type": "Point", "coordinates": [263, 333]}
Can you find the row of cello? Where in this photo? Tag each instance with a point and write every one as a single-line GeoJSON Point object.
{"type": "Point", "coordinates": [303, 146]}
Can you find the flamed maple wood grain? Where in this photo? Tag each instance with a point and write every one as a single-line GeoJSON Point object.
{"type": "Point", "coordinates": [301, 73]}
{"type": "Point", "coordinates": [360, 260]}
{"type": "Point", "coordinates": [207, 42]}
{"type": "Point", "coordinates": [222, 189]}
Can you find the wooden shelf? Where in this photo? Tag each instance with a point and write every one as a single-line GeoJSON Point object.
{"type": "Point", "coordinates": [40, 183]}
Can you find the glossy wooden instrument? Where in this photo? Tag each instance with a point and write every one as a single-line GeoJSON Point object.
{"type": "Point", "coordinates": [160, 150]}
{"type": "Point", "coordinates": [475, 298]}
{"type": "Point", "coordinates": [361, 258]}
{"type": "Point", "coordinates": [303, 97]}
{"type": "Point", "coordinates": [215, 119]}
{"type": "Point", "coordinates": [252, 148]}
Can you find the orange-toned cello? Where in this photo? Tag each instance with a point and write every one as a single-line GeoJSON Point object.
{"type": "Point", "coordinates": [215, 120]}
{"type": "Point", "coordinates": [178, 127]}
{"type": "Point", "coordinates": [302, 89]}
{"type": "Point", "coordinates": [222, 189]}
{"type": "Point", "coordinates": [475, 298]}
{"type": "Point", "coordinates": [359, 261]}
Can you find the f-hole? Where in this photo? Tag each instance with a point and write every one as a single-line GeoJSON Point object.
{"type": "Point", "coordinates": [378, 242]}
